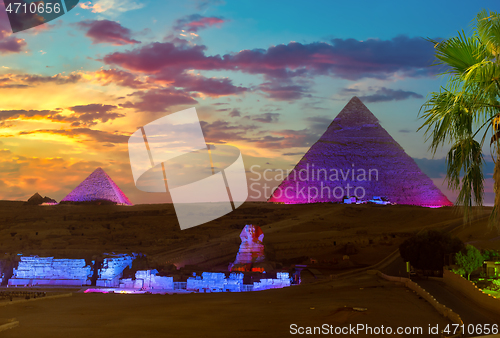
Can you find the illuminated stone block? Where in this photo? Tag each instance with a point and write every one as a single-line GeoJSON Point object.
{"type": "Point", "coordinates": [112, 270]}
{"type": "Point", "coordinates": [234, 283]}
{"type": "Point", "coordinates": [282, 280]}
{"type": "Point", "coordinates": [213, 281]}
{"type": "Point", "coordinates": [34, 270]}
{"type": "Point", "coordinates": [196, 283]}
{"type": "Point", "coordinates": [148, 279]}
{"type": "Point", "coordinates": [138, 284]}
{"type": "Point", "coordinates": [127, 283]}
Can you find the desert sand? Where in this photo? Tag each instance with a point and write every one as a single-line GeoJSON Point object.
{"type": "Point", "coordinates": [319, 231]}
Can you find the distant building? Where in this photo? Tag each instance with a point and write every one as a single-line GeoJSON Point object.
{"type": "Point", "coordinates": [492, 268]}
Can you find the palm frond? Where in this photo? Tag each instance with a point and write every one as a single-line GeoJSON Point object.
{"type": "Point", "coordinates": [466, 108]}
{"type": "Point", "coordinates": [487, 29]}
{"type": "Point", "coordinates": [465, 172]}
{"type": "Point", "coordinates": [460, 53]}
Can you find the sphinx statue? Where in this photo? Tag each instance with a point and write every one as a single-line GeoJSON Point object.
{"type": "Point", "coordinates": [251, 249]}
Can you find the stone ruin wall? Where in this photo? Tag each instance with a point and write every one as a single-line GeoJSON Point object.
{"type": "Point", "coordinates": [35, 270]}
{"type": "Point", "coordinates": [49, 271]}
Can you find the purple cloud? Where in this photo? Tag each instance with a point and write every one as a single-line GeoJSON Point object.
{"type": "Point", "coordinates": [8, 43]}
{"type": "Point", "coordinates": [235, 113]}
{"type": "Point", "coordinates": [287, 68]}
{"type": "Point", "coordinates": [158, 100]}
{"type": "Point", "coordinates": [266, 118]}
{"type": "Point", "coordinates": [386, 94]}
{"type": "Point", "coordinates": [193, 23]}
{"type": "Point", "coordinates": [106, 31]}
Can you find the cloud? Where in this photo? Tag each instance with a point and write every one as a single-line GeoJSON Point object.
{"type": "Point", "coordinates": [8, 42]}
{"type": "Point", "coordinates": [54, 176]}
{"type": "Point", "coordinates": [193, 23]}
{"type": "Point", "coordinates": [287, 68]}
{"type": "Point", "coordinates": [293, 154]}
{"type": "Point", "coordinates": [84, 115]}
{"type": "Point", "coordinates": [225, 132]}
{"type": "Point", "coordinates": [269, 108]}
{"type": "Point", "coordinates": [14, 86]}
{"type": "Point", "coordinates": [202, 5]}
{"type": "Point", "coordinates": [318, 123]}
{"type": "Point", "coordinates": [213, 87]}
{"type": "Point", "coordinates": [280, 92]}
{"type": "Point", "coordinates": [235, 113]}
{"type": "Point", "coordinates": [349, 91]}
{"type": "Point", "coordinates": [119, 77]}
{"type": "Point", "coordinates": [91, 114]}
{"type": "Point", "coordinates": [9, 163]}
{"type": "Point", "coordinates": [311, 105]}
{"type": "Point", "coordinates": [157, 56]}
{"type": "Point", "coordinates": [377, 58]}
{"type": "Point", "coordinates": [319, 119]}
{"type": "Point", "coordinates": [97, 135]}
{"type": "Point", "coordinates": [266, 117]}
{"type": "Point", "coordinates": [57, 79]}
{"type": "Point", "coordinates": [29, 80]}
{"type": "Point", "coordinates": [158, 100]}
{"type": "Point", "coordinates": [93, 108]}
{"type": "Point", "coordinates": [26, 114]}
{"type": "Point", "coordinates": [288, 139]}
{"type": "Point", "coordinates": [385, 94]}
{"type": "Point", "coordinates": [106, 31]}
{"type": "Point", "coordinates": [111, 8]}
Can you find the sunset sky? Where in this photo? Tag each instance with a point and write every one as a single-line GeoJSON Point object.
{"type": "Point", "coordinates": [265, 76]}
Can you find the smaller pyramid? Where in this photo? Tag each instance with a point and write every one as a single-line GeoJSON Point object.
{"type": "Point", "coordinates": [98, 187]}
{"type": "Point", "coordinates": [37, 199]}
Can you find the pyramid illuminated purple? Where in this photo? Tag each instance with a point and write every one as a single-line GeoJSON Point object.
{"type": "Point", "coordinates": [97, 187]}
{"type": "Point", "coordinates": [357, 157]}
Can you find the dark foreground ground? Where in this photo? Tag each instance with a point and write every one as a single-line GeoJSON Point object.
{"type": "Point", "coordinates": [255, 314]}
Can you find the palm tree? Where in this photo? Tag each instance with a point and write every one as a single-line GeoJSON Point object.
{"type": "Point", "coordinates": [463, 112]}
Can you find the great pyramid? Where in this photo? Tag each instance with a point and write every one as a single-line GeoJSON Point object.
{"type": "Point", "coordinates": [357, 157]}
{"type": "Point", "coordinates": [98, 187]}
